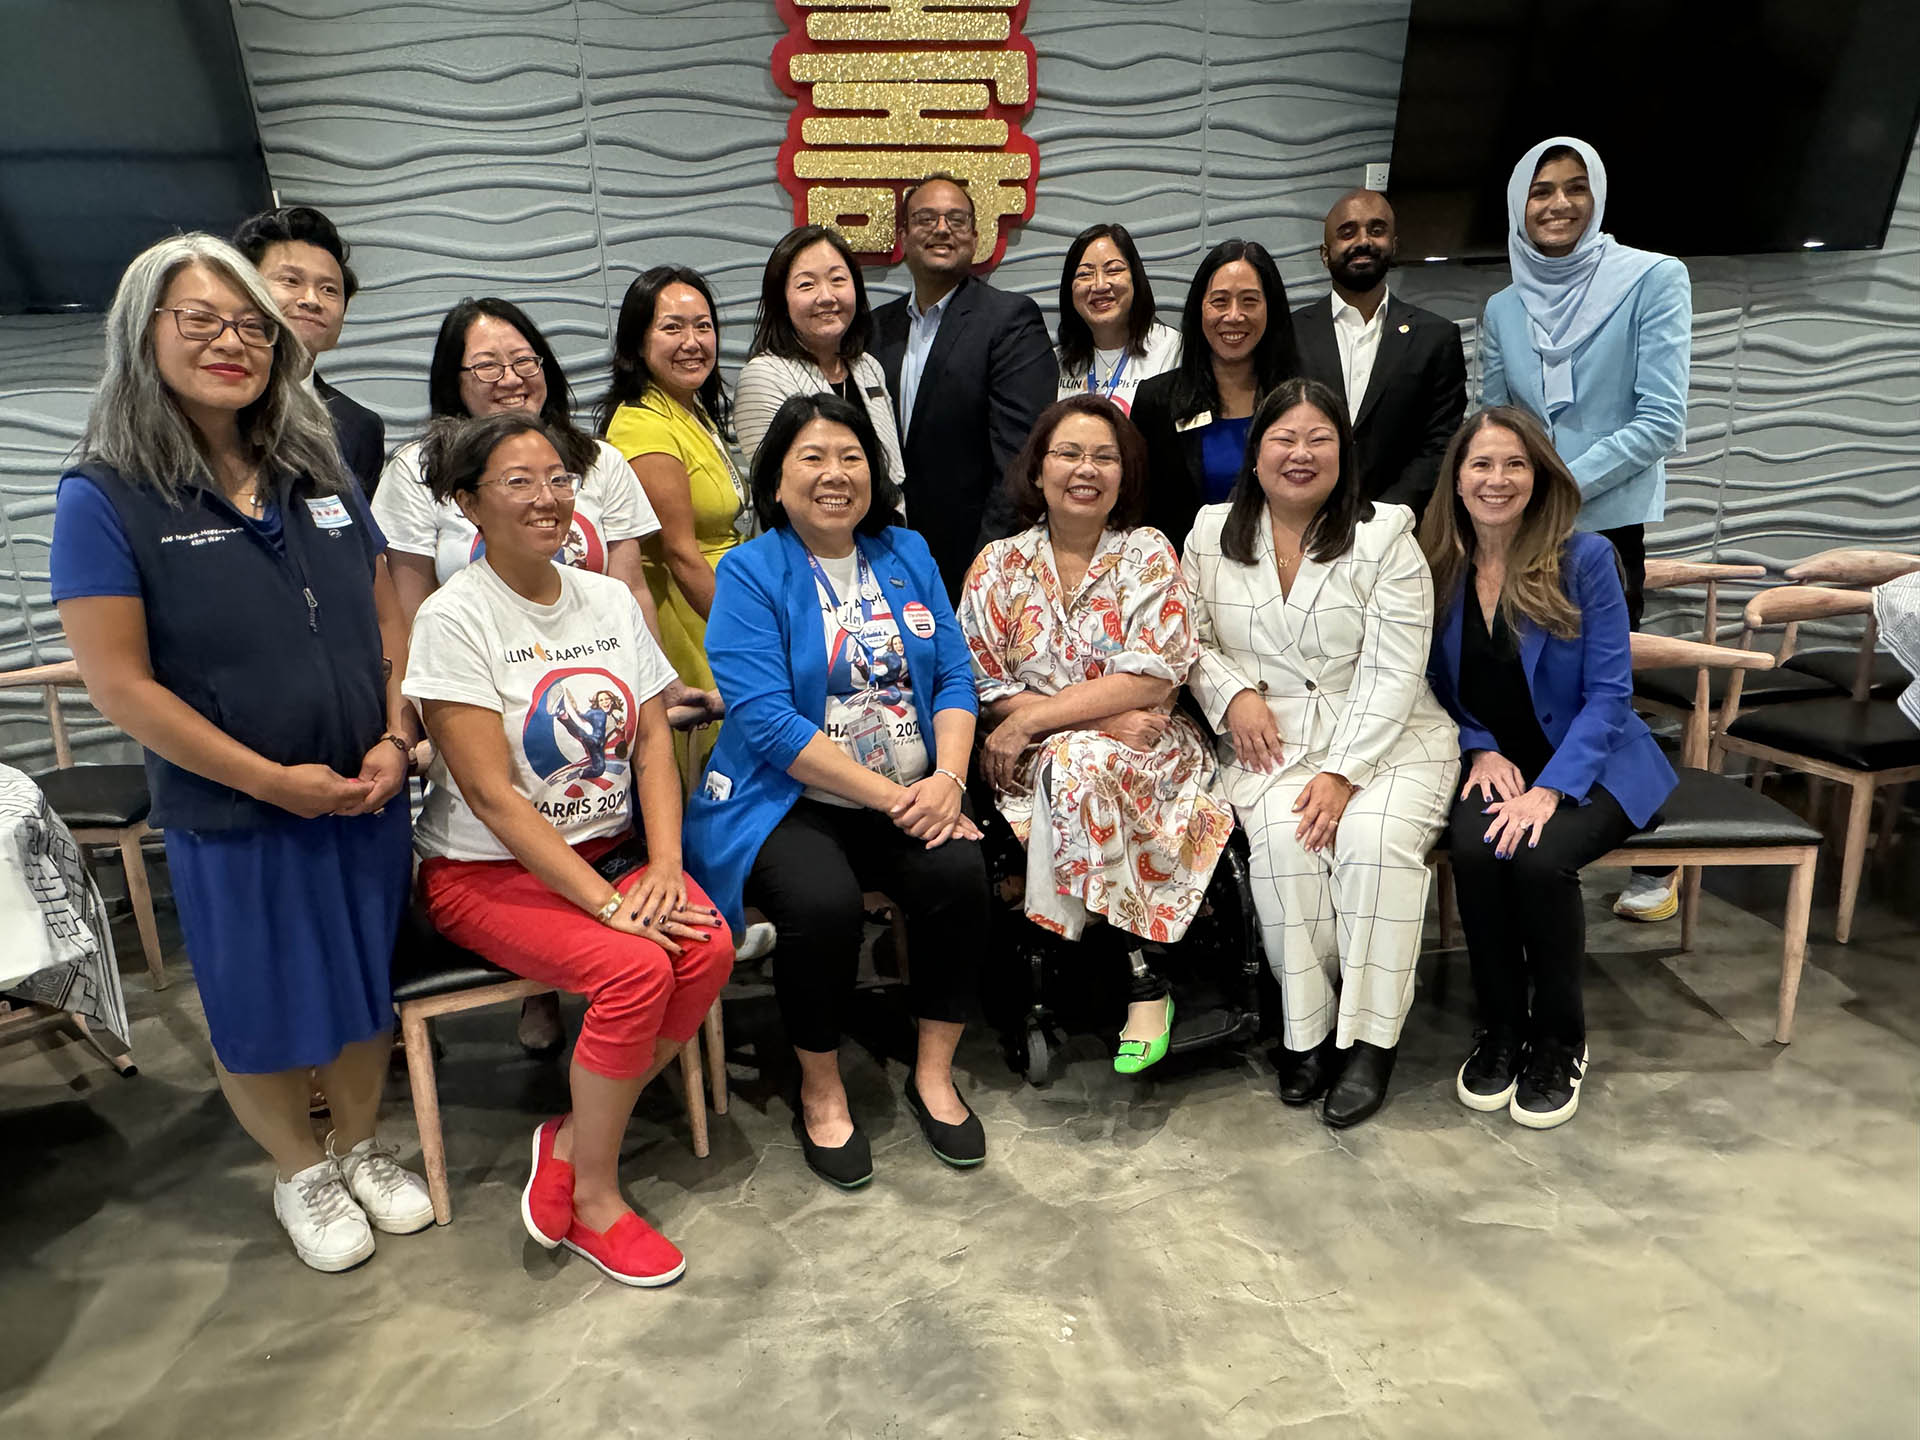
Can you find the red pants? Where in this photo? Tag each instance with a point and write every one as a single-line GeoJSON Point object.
{"type": "Point", "coordinates": [635, 990]}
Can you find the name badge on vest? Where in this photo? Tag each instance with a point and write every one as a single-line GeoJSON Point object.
{"type": "Point", "coordinates": [1193, 422]}
{"type": "Point", "coordinates": [329, 513]}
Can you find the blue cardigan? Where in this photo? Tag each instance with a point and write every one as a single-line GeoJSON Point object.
{"type": "Point", "coordinates": [1582, 689]}
{"type": "Point", "coordinates": [1629, 409]}
{"type": "Point", "coordinates": [769, 660]}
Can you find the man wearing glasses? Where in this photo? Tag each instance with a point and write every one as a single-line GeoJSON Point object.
{"type": "Point", "coordinates": [970, 369]}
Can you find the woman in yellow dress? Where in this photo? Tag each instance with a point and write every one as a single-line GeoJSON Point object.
{"type": "Point", "coordinates": [666, 412]}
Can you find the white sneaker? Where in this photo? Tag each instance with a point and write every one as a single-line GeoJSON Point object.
{"type": "Point", "coordinates": [1649, 897]}
{"type": "Point", "coordinates": [329, 1232]}
{"type": "Point", "coordinates": [394, 1199]}
{"type": "Point", "coordinates": [755, 943]}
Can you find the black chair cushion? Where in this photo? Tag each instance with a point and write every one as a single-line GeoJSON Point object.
{"type": "Point", "coordinates": [1887, 678]}
{"type": "Point", "coordinates": [1674, 686]}
{"type": "Point", "coordinates": [1861, 735]}
{"type": "Point", "coordinates": [426, 963]}
{"type": "Point", "coordinates": [1717, 810]}
{"type": "Point", "coordinates": [97, 797]}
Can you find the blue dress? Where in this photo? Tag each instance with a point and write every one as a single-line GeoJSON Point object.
{"type": "Point", "coordinates": [1223, 448]}
{"type": "Point", "coordinates": [289, 926]}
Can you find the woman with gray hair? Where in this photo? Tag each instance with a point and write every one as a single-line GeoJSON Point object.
{"type": "Point", "coordinates": [226, 596]}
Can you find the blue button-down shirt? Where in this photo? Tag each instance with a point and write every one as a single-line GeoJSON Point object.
{"type": "Point", "coordinates": [922, 326]}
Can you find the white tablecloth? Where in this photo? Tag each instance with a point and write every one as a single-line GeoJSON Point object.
{"type": "Point", "coordinates": [56, 945]}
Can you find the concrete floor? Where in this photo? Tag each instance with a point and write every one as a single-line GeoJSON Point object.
{"type": "Point", "coordinates": [1726, 1241]}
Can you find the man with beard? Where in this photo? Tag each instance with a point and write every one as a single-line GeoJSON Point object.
{"type": "Point", "coordinates": [1399, 368]}
{"type": "Point", "coordinates": [970, 368]}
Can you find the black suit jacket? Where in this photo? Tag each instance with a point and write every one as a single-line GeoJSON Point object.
{"type": "Point", "coordinates": [1415, 395]}
{"type": "Point", "coordinates": [989, 375]}
{"type": "Point", "coordinates": [1176, 477]}
{"type": "Point", "coordinates": [363, 435]}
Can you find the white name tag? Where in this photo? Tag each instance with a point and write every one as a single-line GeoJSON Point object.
{"type": "Point", "coordinates": [330, 513]}
{"type": "Point", "coordinates": [718, 786]}
{"type": "Point", "coordinates": [1194, 422]}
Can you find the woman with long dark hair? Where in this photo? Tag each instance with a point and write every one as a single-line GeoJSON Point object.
{"type": "Point", "coordinates": [666, 411]}
{"type": "Point", "coordinates": [1531, 656]}
{"type": "Point", "coordinates": [1110, 340]}
{"type": "Point", "coordinates": [1313, 608]}
{"type": "Point", "coordinates": [1236, 344]}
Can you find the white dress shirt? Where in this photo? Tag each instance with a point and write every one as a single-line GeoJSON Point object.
{"type": "Point", "coordinates": [922, 326]}
{"type": "Point", "coordinates": [1359, 341]}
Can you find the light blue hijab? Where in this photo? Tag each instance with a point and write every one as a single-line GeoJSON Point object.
{"type": "Point", "coordinates": [1568, 297]}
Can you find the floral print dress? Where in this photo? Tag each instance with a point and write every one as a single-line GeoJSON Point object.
{"type": "Point", "coordinates": [1132, 835]}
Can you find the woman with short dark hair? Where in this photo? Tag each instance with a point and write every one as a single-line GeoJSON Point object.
{"type": "Point", "coordinates": [1313, 608]}
{"type": "Point", "coordinates": [842, 768]}
{"type": "Point", "coordinates": [1110, 340]}
{"type": "Point", "coordinates": [1081, 637]}
{"type": "Point", "coordinates": [542, 689]}
{"type": "Point", "coordinates": [1236, 344]}
{"type": "Point", "coordinates": [1532, 657]}
{"type": "Point", "coordinates": [812, 336]}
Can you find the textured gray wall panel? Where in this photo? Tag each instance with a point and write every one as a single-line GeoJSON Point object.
{"type": "Point", "coordinates": [548, 150]}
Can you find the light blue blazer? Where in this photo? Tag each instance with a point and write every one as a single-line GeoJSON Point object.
{"type": "Point", "coordinates": [769, 659]}
{"type": "Point", "coordinates": [1629, 409]}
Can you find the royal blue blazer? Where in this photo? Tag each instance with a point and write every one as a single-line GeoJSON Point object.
{"type": "Point", "coordinates": [1582, 689]}
{"type": "Point", "coordinates": [769, 659]}
{"type": "Point", "coordinates": [1629, 409]}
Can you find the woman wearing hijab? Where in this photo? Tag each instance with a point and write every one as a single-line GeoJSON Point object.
{"type": "Point", "coordinates": [1595, 339]}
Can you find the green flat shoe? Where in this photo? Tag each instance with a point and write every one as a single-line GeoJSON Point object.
{"type": "Point", "coordinates": [1136, 1055]}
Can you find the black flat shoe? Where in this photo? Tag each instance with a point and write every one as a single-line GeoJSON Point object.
{"type": "Point", "coordinates": [1307, 1074]}
{"type": "Point", "coordinates": [848, 1165]}
{"type": "Point", "coordinates": [1362, 1086]}
{"type": "Point", "coordinates": [962, 1146]}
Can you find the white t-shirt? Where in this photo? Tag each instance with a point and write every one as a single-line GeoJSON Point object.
{"type": "Point", "coordinates": [869, 711]}
{"type": "Point", "coordinates": [608, 506]}
{"type": "Point", "coordinates": [1163, 354]}
{"type": "Point", "coordinates": [568, 680]}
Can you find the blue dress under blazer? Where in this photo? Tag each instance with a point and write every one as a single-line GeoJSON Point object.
{"type": "Point", "coordinates": [1582, 689]}
{"type": "Point", "coordinates": [769, 661]}
{"type": "Point", "coordinates": [1629, 409]}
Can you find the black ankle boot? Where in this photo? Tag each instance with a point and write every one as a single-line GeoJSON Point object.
{"type": "Point", "coordinates": [1306, 1074]}
{"type": "Point", "coordinates": [1362, 1087]}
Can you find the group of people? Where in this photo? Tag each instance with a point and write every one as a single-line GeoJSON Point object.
{"type": "Point", "coordinates": [1118, 596]}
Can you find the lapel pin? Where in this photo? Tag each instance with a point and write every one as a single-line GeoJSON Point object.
{"type": "Point", "coordinates": [896, 582]}
{"type": "Point", "coordinates": [1405, 328]}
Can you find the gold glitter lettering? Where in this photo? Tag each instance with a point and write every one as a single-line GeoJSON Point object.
{"type": "Point", "coordinates": [900, 20]}
{"type": "Point", "coordinates": [1005, 69]}
{"type": "Point", "coordinates": [906, 121]}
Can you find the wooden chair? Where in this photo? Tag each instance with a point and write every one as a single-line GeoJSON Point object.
{"type": "Point", "coordinates": [1863, 670]}
{"type": "Point", "coordinates": [103, 805]}
{"type": "Point", "coordinates": [1861, 744]}
{"type": "Point", "coordinates": [1713, 820]}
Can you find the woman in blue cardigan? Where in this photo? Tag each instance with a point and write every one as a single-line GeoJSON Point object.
{"type": "Point", "coordinates": [842, 767]}
{"type": "Point", "coordinates": [1531, 658]}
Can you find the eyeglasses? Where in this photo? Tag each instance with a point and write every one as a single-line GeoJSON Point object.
{"type": "Point", "coordinates": [1072, 455]}
{"type": "Point", "coordinates": [205, 325]}
{"type": "Point", "coordinates": [492, 372]}
{"type": "Point", "coordinates": [525, 487]}
{"type": "Point", "coordinates": [960, 222]}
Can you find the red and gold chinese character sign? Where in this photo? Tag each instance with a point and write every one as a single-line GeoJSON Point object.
{"type": "Point", "coordinates": [890, 91]}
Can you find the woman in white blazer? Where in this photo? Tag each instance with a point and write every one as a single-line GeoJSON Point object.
{"type": "Point", "coordinates": [812, 337]}
{"type": "Point", "coordinates": [1314, 610]}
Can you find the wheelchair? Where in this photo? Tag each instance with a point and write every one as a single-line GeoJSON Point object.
{"type": "Point", "coordinates": [1038, 987]}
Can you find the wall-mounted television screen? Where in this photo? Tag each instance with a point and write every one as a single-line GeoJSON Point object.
{"type": "Point", "coordinates": [121, 121]}
{"type": "Point", "coordinates": [1728, 127]}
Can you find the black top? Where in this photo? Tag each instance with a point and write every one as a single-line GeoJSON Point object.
{"type": "Point", "coordinates": [1494, 689]}
{"type": "Point", "coordinates": [362, 435]}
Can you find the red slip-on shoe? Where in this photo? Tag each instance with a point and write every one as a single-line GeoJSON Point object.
{"type": "Point", "coordinates": [630, 1251]}
{"type": "Point", "coordinates": [546, 1205]}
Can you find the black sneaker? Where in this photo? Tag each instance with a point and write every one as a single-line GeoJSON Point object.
{"type": "Point", "coordinates": [1486, 1081]}
{"type": "Point", "coordinates": [1549, 1088]}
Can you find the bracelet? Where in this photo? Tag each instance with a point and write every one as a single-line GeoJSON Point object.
{"type": "Point", "coordinates": [606, 911]}
{"type": "Point", "coordinates": [958, 780]}
{"type": "Point", "coordinates": [404, 748]}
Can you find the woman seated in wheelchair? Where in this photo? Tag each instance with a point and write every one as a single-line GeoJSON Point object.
{"type": "Point", "coordinates": [1081, 637]}
{"type": "Point", "coordinates": [541, 687]}
{"type": "Point", "coordinates": [1314, 609]}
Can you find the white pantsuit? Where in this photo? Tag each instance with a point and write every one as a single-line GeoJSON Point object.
{"type": "Point", "coordinates": [1341, 662]}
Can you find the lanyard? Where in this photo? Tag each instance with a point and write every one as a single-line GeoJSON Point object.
{"type": "Point", "coordinates": [1113, 380]}
{"type": "Point", "coordinates": [867, 633]}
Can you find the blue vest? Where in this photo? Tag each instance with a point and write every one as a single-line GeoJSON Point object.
{"type": "Point", "coordinates": [281, 651]}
